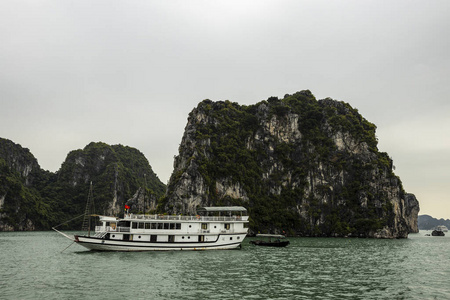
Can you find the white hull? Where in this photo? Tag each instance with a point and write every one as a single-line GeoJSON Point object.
{"type": "Point", "coordinates": [99, 244]}
{"type": "Point", "coordinates": [212, 231]}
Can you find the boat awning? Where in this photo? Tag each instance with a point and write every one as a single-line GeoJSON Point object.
{"type": "Point", "coordinates": [107, 218]}
{"type": "Point", "coordinates": [222, 209]}
{"type": "Point", "coordinates": [271, 235]}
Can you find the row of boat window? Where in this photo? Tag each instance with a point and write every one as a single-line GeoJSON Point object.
{"type": "Point", "coordinates": [174, 226]}
{"type": "Point", "coordinates": [147, 225]}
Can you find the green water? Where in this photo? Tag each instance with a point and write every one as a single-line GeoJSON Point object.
{"type": "Point", "coordinates": [32, 266]}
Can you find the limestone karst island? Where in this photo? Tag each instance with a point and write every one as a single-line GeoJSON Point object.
{"type": "Point", "coordinates": [301, 166]}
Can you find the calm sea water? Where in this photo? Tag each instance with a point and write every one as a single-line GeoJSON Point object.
{"type": "Point", "coordinates": [32, 266]}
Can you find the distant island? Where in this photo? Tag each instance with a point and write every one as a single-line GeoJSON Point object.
{"type": "Point", "coordinates": [300, 166]}
{"type": "Point", "coordinates": [427, 222]}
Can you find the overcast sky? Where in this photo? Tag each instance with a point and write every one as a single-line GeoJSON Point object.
{"type": "Point", "coordinates": [129, 72]}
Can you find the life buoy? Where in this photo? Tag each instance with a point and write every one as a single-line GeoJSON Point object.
{"type": "Point", "coordinates": [113, 226]}
{"type": "Point", "coordinates": [198, 217]}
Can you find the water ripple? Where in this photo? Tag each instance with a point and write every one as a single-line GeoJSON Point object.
{"type": "Point", "coordinates": [33, 267]}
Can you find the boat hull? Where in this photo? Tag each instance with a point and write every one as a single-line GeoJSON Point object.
{"type": "Point", "coordinates": [99, 244]}
{"type": "Point", "coordinates": [437, 233]}
{"type": "Point", "coordinates": [270, 244]}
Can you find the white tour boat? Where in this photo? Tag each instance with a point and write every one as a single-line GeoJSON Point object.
{"type": "Point", "coordinates": [212, 228]}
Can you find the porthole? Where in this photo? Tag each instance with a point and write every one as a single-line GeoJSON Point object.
{"type": "Point", "coordinates": [139, 236]}
{"type": "Point", "coordinates": [231, 238]}
{"type": "Point", "coordinates": [190, 226]}
{"type": "Point", "coordinates": [239, 238]}
{"type": "Point", "coordinates": [182, 237]}
{"type": "Point", "coordinates": [113, 235]}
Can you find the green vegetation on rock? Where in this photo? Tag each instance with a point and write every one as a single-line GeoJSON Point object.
{"type": "Point", "coordinates": [300, 165]}
{"type": "Point", "coordinates": [34, 199]}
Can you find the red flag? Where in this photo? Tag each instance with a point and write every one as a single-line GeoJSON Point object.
{"type": "Point", "coordinates": [127, 207]}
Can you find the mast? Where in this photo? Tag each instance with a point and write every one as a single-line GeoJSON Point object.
{"type": "Point", "coordinates": [145, 189]}
{"type": "Point", "coordinates": [115, 184]}
{"type": "Point", "coordinates": [87, 212]}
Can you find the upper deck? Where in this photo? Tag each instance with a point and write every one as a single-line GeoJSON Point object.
{"type": "Point", "coordinates": [198, 218]}
{"type": "Point", "coordinates": [205, 214]}
{"type": "Point", "coordinates": [222, 220]}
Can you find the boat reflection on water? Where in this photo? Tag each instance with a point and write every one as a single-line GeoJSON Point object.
{"type": "Point", "coordinates": [271, 240]}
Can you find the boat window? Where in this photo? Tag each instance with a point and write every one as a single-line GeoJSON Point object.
{"type": "Point", "coordinates": [124, 224]}
{"type": "Point", "coordinates": [141, 225]}
{"type": "Point", "coordinates": [166, 225]}
{"type": "Point", "coordinates": [227, 226]}
{"type": "Point", "coordinates": [178, 226]}
{"type": "Point", "coordinates": [172, 225]}
{"type": "Point", "coordinates": [147, 225]}
{"type": "Point", "coordinates": [171, 238]}
{"type": "Point", "coordinates": [160, 226]}
{"type": "Point", "coordinates": [204, 225]}
{"type": "Point", "coordinates": [153, 226]}
{"type": "Point", "coordinates": [134, 225]}
{"type": "Point", "coordinates": [107, 223]}
{"type": "Point", "coordinates": [153, 238]}
{"type": "Point", "coordinates": [201, 238]}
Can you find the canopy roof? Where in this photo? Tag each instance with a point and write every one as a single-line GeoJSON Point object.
{"type": "Point", "coordinates": [222, 209]}
{"type": "Point", "coordinates": [106, 218]}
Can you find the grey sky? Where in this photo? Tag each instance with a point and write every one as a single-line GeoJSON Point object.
{"type": "Point", "coordinates": [129, 72]}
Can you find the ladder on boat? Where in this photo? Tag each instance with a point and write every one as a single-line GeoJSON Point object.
{"type": "Point", "coordinates": [87, 212]}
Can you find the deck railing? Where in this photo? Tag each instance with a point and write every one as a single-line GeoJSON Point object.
{"type": "Point", "coordinates": [101, 231]}
{"type": "Point", "coordinates": [109, 228]}
{"type": "Point", "coordinates": [185, 218]}
{"type": "Point", "coordinates": [123, 229]}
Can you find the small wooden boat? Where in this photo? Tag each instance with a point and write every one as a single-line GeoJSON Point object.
{"type": "Point", "coordinates": [438, 231]}
{"type": "Point", "coordinates": [271, 240]}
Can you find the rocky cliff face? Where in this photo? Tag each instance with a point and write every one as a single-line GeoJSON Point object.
{"type": "Point", "coordinates": [308, 167]}
{"type": "Point", "coordinates": [21, 205]}
{"type": "Point", "coordinates": [34, 199]}
{"type": "Point", "coordinates": [120, 175]}
{"type": "Point", "coordinates": [20, 160]}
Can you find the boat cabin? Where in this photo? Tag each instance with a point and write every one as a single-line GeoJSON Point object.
{"type": "Point", "coordinates": [203, 227]}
